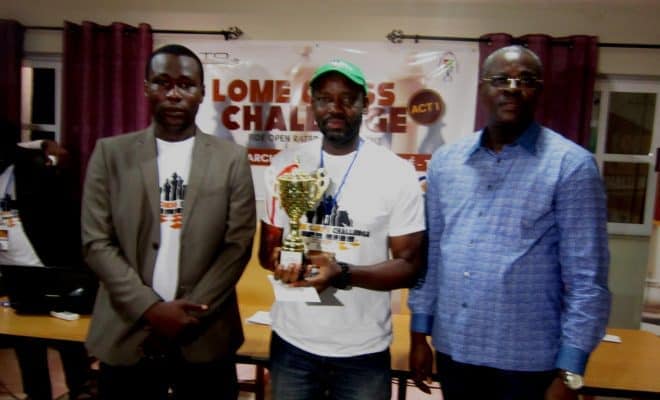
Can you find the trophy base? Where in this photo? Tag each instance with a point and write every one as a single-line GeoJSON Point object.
{"type": "Point", "coordinates": [290, 257]}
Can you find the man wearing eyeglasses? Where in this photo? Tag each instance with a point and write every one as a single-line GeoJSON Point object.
{"type": "Point", "coordinates": [338, 348]}
{"type": "Point", "coordinates": [515, 295]}
{"type": "Point", "coordinates": [167, 222]}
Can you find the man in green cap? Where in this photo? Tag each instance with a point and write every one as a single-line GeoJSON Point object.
{"type": "Point", "coordinates": [373, 207]}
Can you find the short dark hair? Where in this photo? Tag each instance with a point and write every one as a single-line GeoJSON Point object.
{"type": "Point", "coordinates": [177, 50]}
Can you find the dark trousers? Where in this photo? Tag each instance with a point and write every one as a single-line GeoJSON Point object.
{"type": "Point", "coordinates": [299, 375]}
{"type": "Point", "coordinates": [460, 381]}
{"type": "Point", "coordinates": [154, 378]}
{"type": "Point", "coordinates": [32, 355]}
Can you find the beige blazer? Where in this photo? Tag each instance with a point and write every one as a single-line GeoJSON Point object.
{"type": "Point", "coordinates": [121, 234]}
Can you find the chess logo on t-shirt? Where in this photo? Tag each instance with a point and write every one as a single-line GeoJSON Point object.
{"type": "Point", "coordinates": [172, 195]}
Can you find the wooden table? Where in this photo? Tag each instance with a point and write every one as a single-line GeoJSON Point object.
{"type": "Point", "coordinates": [628, 369]}
{"type": "Point", "coordinates": [631, 366]}
{"type": "Point", "coordinates": [42, 326]}
{"type": "Point", "coordinates": [257, 337]}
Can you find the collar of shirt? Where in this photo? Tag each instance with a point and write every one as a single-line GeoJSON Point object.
{"type": "Point", "coordinates": [527, 140]}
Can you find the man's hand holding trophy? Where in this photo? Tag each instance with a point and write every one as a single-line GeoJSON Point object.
{"type": "Point", "coordinates": [300, 192]}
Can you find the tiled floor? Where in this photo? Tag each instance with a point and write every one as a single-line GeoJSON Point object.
{"type": "Point", "coordinates": [10, 376]}
{"type": "Point", "coordinates": [11, 388]}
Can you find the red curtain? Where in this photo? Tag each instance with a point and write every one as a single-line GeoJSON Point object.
{"type": "Point", "coordinates": [11, 54]}
{"type": "Point", "coordinates": [103, 85]}
{"type": "Point", "coordinates": [569, 74]}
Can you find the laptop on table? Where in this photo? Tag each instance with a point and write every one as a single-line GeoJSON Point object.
{"type": "Point", "coordinates": [40, 290]}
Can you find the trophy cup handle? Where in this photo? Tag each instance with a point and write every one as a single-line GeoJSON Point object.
{"type": "Point", "coordinates": [271, 182]}
{"type": "Point", "coordinates": [320, 185]}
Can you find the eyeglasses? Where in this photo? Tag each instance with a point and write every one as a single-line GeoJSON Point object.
{"type": "Point", "coordinates": [164, 84]}
{"type": "Point", "coordinates": [524, 82]}
{"type": "Point", "coordinates": [345, 101]}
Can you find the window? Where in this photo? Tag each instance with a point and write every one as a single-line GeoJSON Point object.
{"type": "Point", "coordinates": [626, 123]}
{"type": "Point", "coordinates": [40, 97]}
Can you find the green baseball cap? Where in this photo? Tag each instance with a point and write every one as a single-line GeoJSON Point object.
{"type": "Point", "coordinates": [350, 71]}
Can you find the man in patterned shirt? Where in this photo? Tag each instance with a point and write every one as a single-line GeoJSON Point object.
{"type": "Point", "coordinates": [515, 296]}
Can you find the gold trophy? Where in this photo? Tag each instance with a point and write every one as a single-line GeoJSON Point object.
{"type": "Point", "coordinates": [299, 192]}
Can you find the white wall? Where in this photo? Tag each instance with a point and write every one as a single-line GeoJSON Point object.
{"type": "Point", "coordinates": [631, 21]}
{"type": "Point", "coordinates": [622, 21]}
{"type": "Point", "coordinates": [628, 266]}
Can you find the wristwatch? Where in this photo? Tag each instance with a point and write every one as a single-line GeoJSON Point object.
{"type": "Point", "coordinates": [571, 380]}
{"type": "Point", "coordinates": [343, 280]}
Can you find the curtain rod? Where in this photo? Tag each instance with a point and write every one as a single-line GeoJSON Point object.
{"type": "Point", "coordinates": [397, 36]}
{"type": "Point", "coordinates": [229, 34]}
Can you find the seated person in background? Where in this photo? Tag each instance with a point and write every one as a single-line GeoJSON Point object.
{"type": "Point", "coordinates": [41, 220]}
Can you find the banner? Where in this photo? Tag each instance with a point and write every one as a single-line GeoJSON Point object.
{"type": "Point", "coordinates": [421, 95]}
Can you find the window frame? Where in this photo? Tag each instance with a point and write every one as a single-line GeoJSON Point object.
{"type": "Point", "coordinates": [41, 60]}
{"type": "Point", "coordinates": [605, 84]}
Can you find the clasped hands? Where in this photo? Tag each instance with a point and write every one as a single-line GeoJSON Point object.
{"type": "Point", "coordinates": [319, 269]}
{"type": "Point", "coordinates": [170, 322]}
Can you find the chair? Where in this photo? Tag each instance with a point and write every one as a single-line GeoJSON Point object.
{"type": "Point", "coordinates": [253, 289]}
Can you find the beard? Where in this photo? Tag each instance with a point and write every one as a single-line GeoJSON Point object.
{"type": "Point", "coordinates": [342, 137]}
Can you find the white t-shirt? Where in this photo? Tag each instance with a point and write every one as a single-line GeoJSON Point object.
{"type": "Point", "coordinates": [174, 160]}
{"type": "Point", "coordinates": [19, 249]}
{"type": "Point", "coordinates": [381, 197]}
